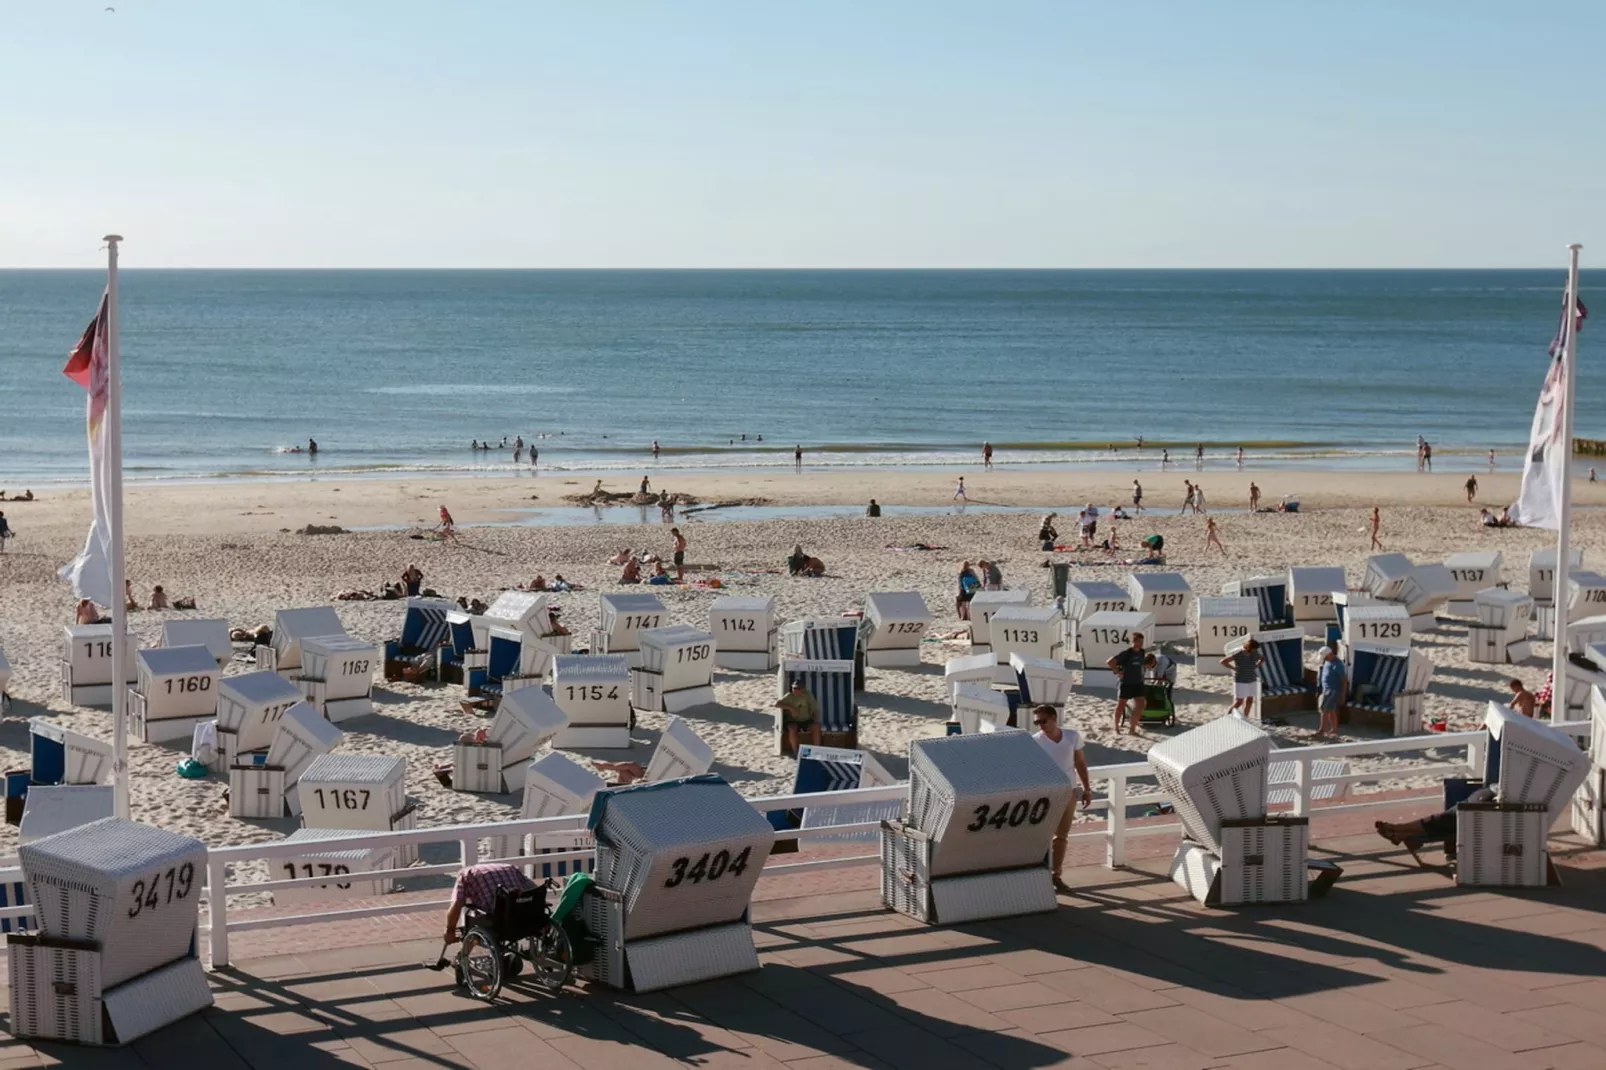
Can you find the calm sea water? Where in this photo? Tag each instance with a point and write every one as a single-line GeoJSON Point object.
{"type": "Point", "coordinates": [396, 371]}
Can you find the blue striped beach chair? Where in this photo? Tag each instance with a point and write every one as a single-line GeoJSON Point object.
{"type": "Point", "coordinates": [1284, 687]}
{"type": "Point", "coordinates": [461, 653]}
{"type": "Point", "coordinates": [827, 639]}
{"type": "Point", "coordinates": [423, 631]}
{"type": "Point", "coordinates": [504, 659]}
{"type": "Point", "coordinates": [1386, 683]}
{"type": "Point", "coordinates": [14, 894]}
{"type": "Point", "coordinates": [831, 684]}
{"type": "Point", "coordinates": [1271, 596]}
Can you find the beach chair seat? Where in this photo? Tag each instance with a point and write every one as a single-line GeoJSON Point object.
{"type": "Point", "coordinates": [424, 631]}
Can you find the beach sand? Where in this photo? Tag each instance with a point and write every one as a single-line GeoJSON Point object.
{"type": "Point", "coordinates": [223, 545]}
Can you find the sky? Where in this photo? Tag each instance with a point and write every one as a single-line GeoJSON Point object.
{"type": "Point", "coordinates": [872, 133]}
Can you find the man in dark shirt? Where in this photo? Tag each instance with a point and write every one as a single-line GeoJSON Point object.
{"type": "Point", "coordinates": [1128, 665]}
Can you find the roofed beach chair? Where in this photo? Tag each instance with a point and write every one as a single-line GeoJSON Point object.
{"type": "Point", "coordinates": [1472, 571]}
{"type": "Point", "coordinates": [1271, 596]}
{"type": "Point", "coordinates": [423, 632]}
{"type": "Point", "coordinates": [1285, 685]}
{"type": "Point", "coordinates": [1310, 596]}
{"type": "Point", "coordinates": [462, 653]}
{"type": "Point", "coordinates": [1387, 685]}
{"type": "Point", "coordinates": [212, 633]}
{"type": "Point", "coordinates": [831, 684]}
{"type": "Point", "coordinates": [825, 639]}
{"type": "Point", "coordinates": [510, 663]}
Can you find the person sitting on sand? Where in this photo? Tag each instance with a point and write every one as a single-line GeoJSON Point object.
{"type": "Point", "coordinates": [561, 584]}
{"type": "Point", "coordinates": [476, 607]}
{"type": "Point", "coordinates": [1047, 533]}
{"type": "Point", "coordinates": [553, 625]}
{"type": "Point", "coordinates": [537, 584]}
{"type": "Point", "coordinates": [632, 572]}
{"type": "Point", "coordinates": [659, 576]}
{"type": "Point", "coordinates": [813, 567]}
{"type": "Point", "coordinates": [159, 598]}
{"type": "Point", "coordinates": [1118, 513]}
{"type": "Point", "coordinates": [1487, 519]}
{"type": "Point", "coordinates": [413, 579]}
{"type": "Point", "coordinates": [1522, 700]}
{"type": "Point", "coordinates": [795, 562]}
{"type": "Point", "coordinates": [873, 509]}
{"type": "Point", "coordinates": [128, 594]}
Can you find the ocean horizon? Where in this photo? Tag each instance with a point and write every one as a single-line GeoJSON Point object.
{"type": "Point", "coordinates": [395, 371]}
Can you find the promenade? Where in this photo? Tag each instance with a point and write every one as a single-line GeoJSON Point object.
{"type": "Point", "coordinates": [1395, 969]}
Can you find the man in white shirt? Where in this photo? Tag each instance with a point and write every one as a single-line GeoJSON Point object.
{"type": "Point", "coordinates": [1064, 745]}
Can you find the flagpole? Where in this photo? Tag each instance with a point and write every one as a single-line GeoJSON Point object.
{"type": "Point", "coordinates": [1562, 593]}
{"type": "Point", "coordinates": [114, 488]}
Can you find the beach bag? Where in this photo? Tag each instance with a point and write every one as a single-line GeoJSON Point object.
{"type": "Point", "coordinates": [203, 743]}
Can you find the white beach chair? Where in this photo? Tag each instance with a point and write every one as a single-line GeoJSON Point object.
{"type": "Point", "coordinates": [290, 626]}
{"type": "Point", "coordinates": [677, 669]}
{"type": "Point", "coordinates": [1031, 631]}
{"type": "Point", "coordinates": [1499, 634]}
{"type": "Point", "coordinates": [249, 708]}
{"type": "Point", "coordinates": [894, 624]}
{"type": "Point", "coordinates": [981, 708]}
{"type": "Point", "coordinates": [1100, 637]}
{"type": "Point", "coordinates": [983, 604]}
{"type": "Point", "coordinates": [1166, 596]}
{"type": "Point", "coordinates": [1542, 572]}
{"type": "Point", "coordinates": [358, 791]}
{"type": "Point", "coordinates": [1271, 599]}
{"type": "Point", "coordinates": [1380, 622]}
{"type": "Point", "coordinates": [1586, 594]}
{"type": "Point", "coordinates": [527, 612]}
{"type": "Point", "coordinates": [1473, 571]}
{"type": "Point", "coordinates": [526, 719]}
{"type": "Point", "coordinates": [1282, 685]}
{"type": "Point", "coordinates": [337, 675]}
{"type": "Point", "coordinates": [593, 691]}
{"type": "Point", "coordinates": [1385, 573]}
{"type": "Point", "coordinates": [86, 664]}
{"type": "Point", "coordinates": [61, 755]}
{"type": "Point", "coordinates": [1310, 596]}
{"type": "Point", "coordinates": [830, 769]}
{"type": "Point", "coordinates": [176, 689]}
{"type": "Point", "coordinates": [679, 753]}
{"type": "Point", "coordinates": [621, 619]}
{"type": "Point", "coordinates": [743, 627]}
{"type": "Point", "coordinates": [1215, 622]}
{"type": "Point", "coordinates": [1425, 591]}
{"type": "Point", "coordinates": [211, 633]}
{"type": "Point", "coordinates": [339, 863]}
{"type": "Point", "coordinates": [1083, 598]}
{"type": "Point", "coordinates": [1041, 681]}
{"type": "Point", "coordinates": [970, 669]}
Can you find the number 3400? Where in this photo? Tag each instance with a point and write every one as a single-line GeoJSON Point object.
{"type": "Point", "coordinates": [1020, 812]}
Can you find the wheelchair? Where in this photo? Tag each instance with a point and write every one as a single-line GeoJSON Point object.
{"type": "Point", "coordinates": [518, 929]}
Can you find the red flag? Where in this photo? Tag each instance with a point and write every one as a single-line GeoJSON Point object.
{"type": "Point", "coordinates": [81, 361]}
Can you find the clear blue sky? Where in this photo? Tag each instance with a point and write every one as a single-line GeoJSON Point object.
{"type": "Point", "coordinates": [1114, 133]}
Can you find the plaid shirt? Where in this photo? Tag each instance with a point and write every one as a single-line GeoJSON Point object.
{"type": "Point", "coordinates": [476, 885]}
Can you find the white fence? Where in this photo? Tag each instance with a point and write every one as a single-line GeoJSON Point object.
{"type": "Point", "coordinates": [1119, 796]}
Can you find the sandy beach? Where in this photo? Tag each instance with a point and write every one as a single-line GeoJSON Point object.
{"type": "Point", "coordinates": [229, 546]}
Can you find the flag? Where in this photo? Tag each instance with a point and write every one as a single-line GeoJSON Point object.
{"type": "Point", "coordinates": [1539, 504]}
{"type": "Point", "coordinates": [88, 365]}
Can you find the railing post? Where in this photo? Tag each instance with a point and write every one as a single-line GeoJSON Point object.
{"type": "Point", "coordinates": [1115, 823]}
{"type": "Point", "coordinates": [1301, 787]}
{"type": "Point", "coordinates": [1475, 756]}
{"type": "Point", "coordinates": [470, 850]}
{"type": "Point", "coordinates": [217, 910]}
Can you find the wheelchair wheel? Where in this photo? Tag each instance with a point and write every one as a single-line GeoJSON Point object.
{"type": "Point", "coordinates": [551, 958]}
{"type": "Point", "coordinates": [479, 963]}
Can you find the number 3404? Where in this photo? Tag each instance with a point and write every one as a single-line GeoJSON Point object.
{"type": "Point", "coordinates": [710, 867]}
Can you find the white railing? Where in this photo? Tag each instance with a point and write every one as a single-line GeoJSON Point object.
{"type": "Point", "coordinates": [1119, 796]}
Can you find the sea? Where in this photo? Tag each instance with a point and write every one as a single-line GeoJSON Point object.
{"type": "Point", "coordinates": [227, 374]}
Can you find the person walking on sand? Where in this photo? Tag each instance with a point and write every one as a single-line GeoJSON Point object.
{"type": "Point", "coordinates": [1137, 498]}
{"type": "Point", "coordinates": [986, 454]}
{"type": "Point", "coordinates": [1064, 746]}
{"type": "Point", "coordinates": [1245, 666]}
{"type": "Point", "coordinates": [1187, 498]}
{"type": "Point", "coordinates": [1377, 523]}
{"type": "Point", "coordinates": [1128, 667]}
{"type": "Point", "coordinates": [1254, 497]}
{"type": "Point", "coordinates": [1592, 473]}
{"type": "Point", "coordinates": [1472, 488]}
{"type": "Point", "coordinates": [959, 490]}
{"type": "Point", "coordinates": [646, 487]}
{"type": "Point", "coordinates": [1198, 499]}
{"type": "Point", "coordinates": [1427, 456]}
{"type": "Point", "coordinates": [1213, 536]}
{"type": "Point", "coordinates": [447, 527]}
{"type": "Point", "coordinates": [1165, 458]}
{"type": "Point", "coordinates": [680, 555]}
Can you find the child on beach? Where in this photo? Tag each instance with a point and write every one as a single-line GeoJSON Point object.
{"type": "Point", "coordinates": [1377, 521]}
{"type": "Point", "coordinates": [959, 490]}
{"type": "Point", "coordinates": [1213, 536]}
{"type": "Point", "coordinates": [1187, 498]}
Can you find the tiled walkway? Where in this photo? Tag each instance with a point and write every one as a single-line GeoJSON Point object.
{"type": "Point", "coordinates": [1395, 969]}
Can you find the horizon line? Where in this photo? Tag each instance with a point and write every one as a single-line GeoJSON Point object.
{"type": "Point", "coordinates": [600, 270]}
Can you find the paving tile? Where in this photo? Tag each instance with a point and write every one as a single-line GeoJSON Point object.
{"type": "Point", "coordinates": [509, 1048]}
{"type": "Point", "coordinates": [1347, 1049]}
{"type": "Point", "coordinates": [1503, 1031]}
{"type": "Point", "coordinates": [1201, 1031]}
{"type": "Point", "coordinates": [1163, 1057]}
{"type": "Point", "coordinates": [883, 979]}
{"type": "Point", "coordinates": [602, 1053]}
{"type": "Point", "coordinates": [943, 1014]}
{"type": "Point", "coordinates": [1106, 991]}
{"type": "Point", "coordinates": [1439, 1044]}
{"type": "Point", "coordinates": [964, 978]}
{"type": "Point", "coordinates": [1098, 1040]}
{"type": "Point", "coordinates": [837, 1006]}
{"type": "Point", "coordinates": [1568, 1057]}
{"type": "Point", "coordinates": [1055, 1017]}
{"type": "Point", "coordinates": [1277, 1059]}
{"type": "Point", "coordinates": [1401, 995]}
{"type": "Point", "coordinates": [908, 1047]}
{"type": "Point", "coordinates": [761, 1023]}
{"type": "Point", "coordinates": [1574, 1022]}
{"type": "Point", "coordinates": [1030, 961]}
{"type": "Point", "coordinates": [859, 1060]}
{"type": "Point", "coordinates": [1344, 1009]}
{"type": "Point", "coordinates": [1247, 1012]}
{"type": "Point", "coordinates": [1013, 1049]}
{"type": "Point", "coordinates": [1014, 997]}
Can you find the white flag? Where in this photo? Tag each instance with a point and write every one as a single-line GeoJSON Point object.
{"type": "Point", "coordinates": [91, 571]}
{"type": "Point", "coordinates": [1539, 504]}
